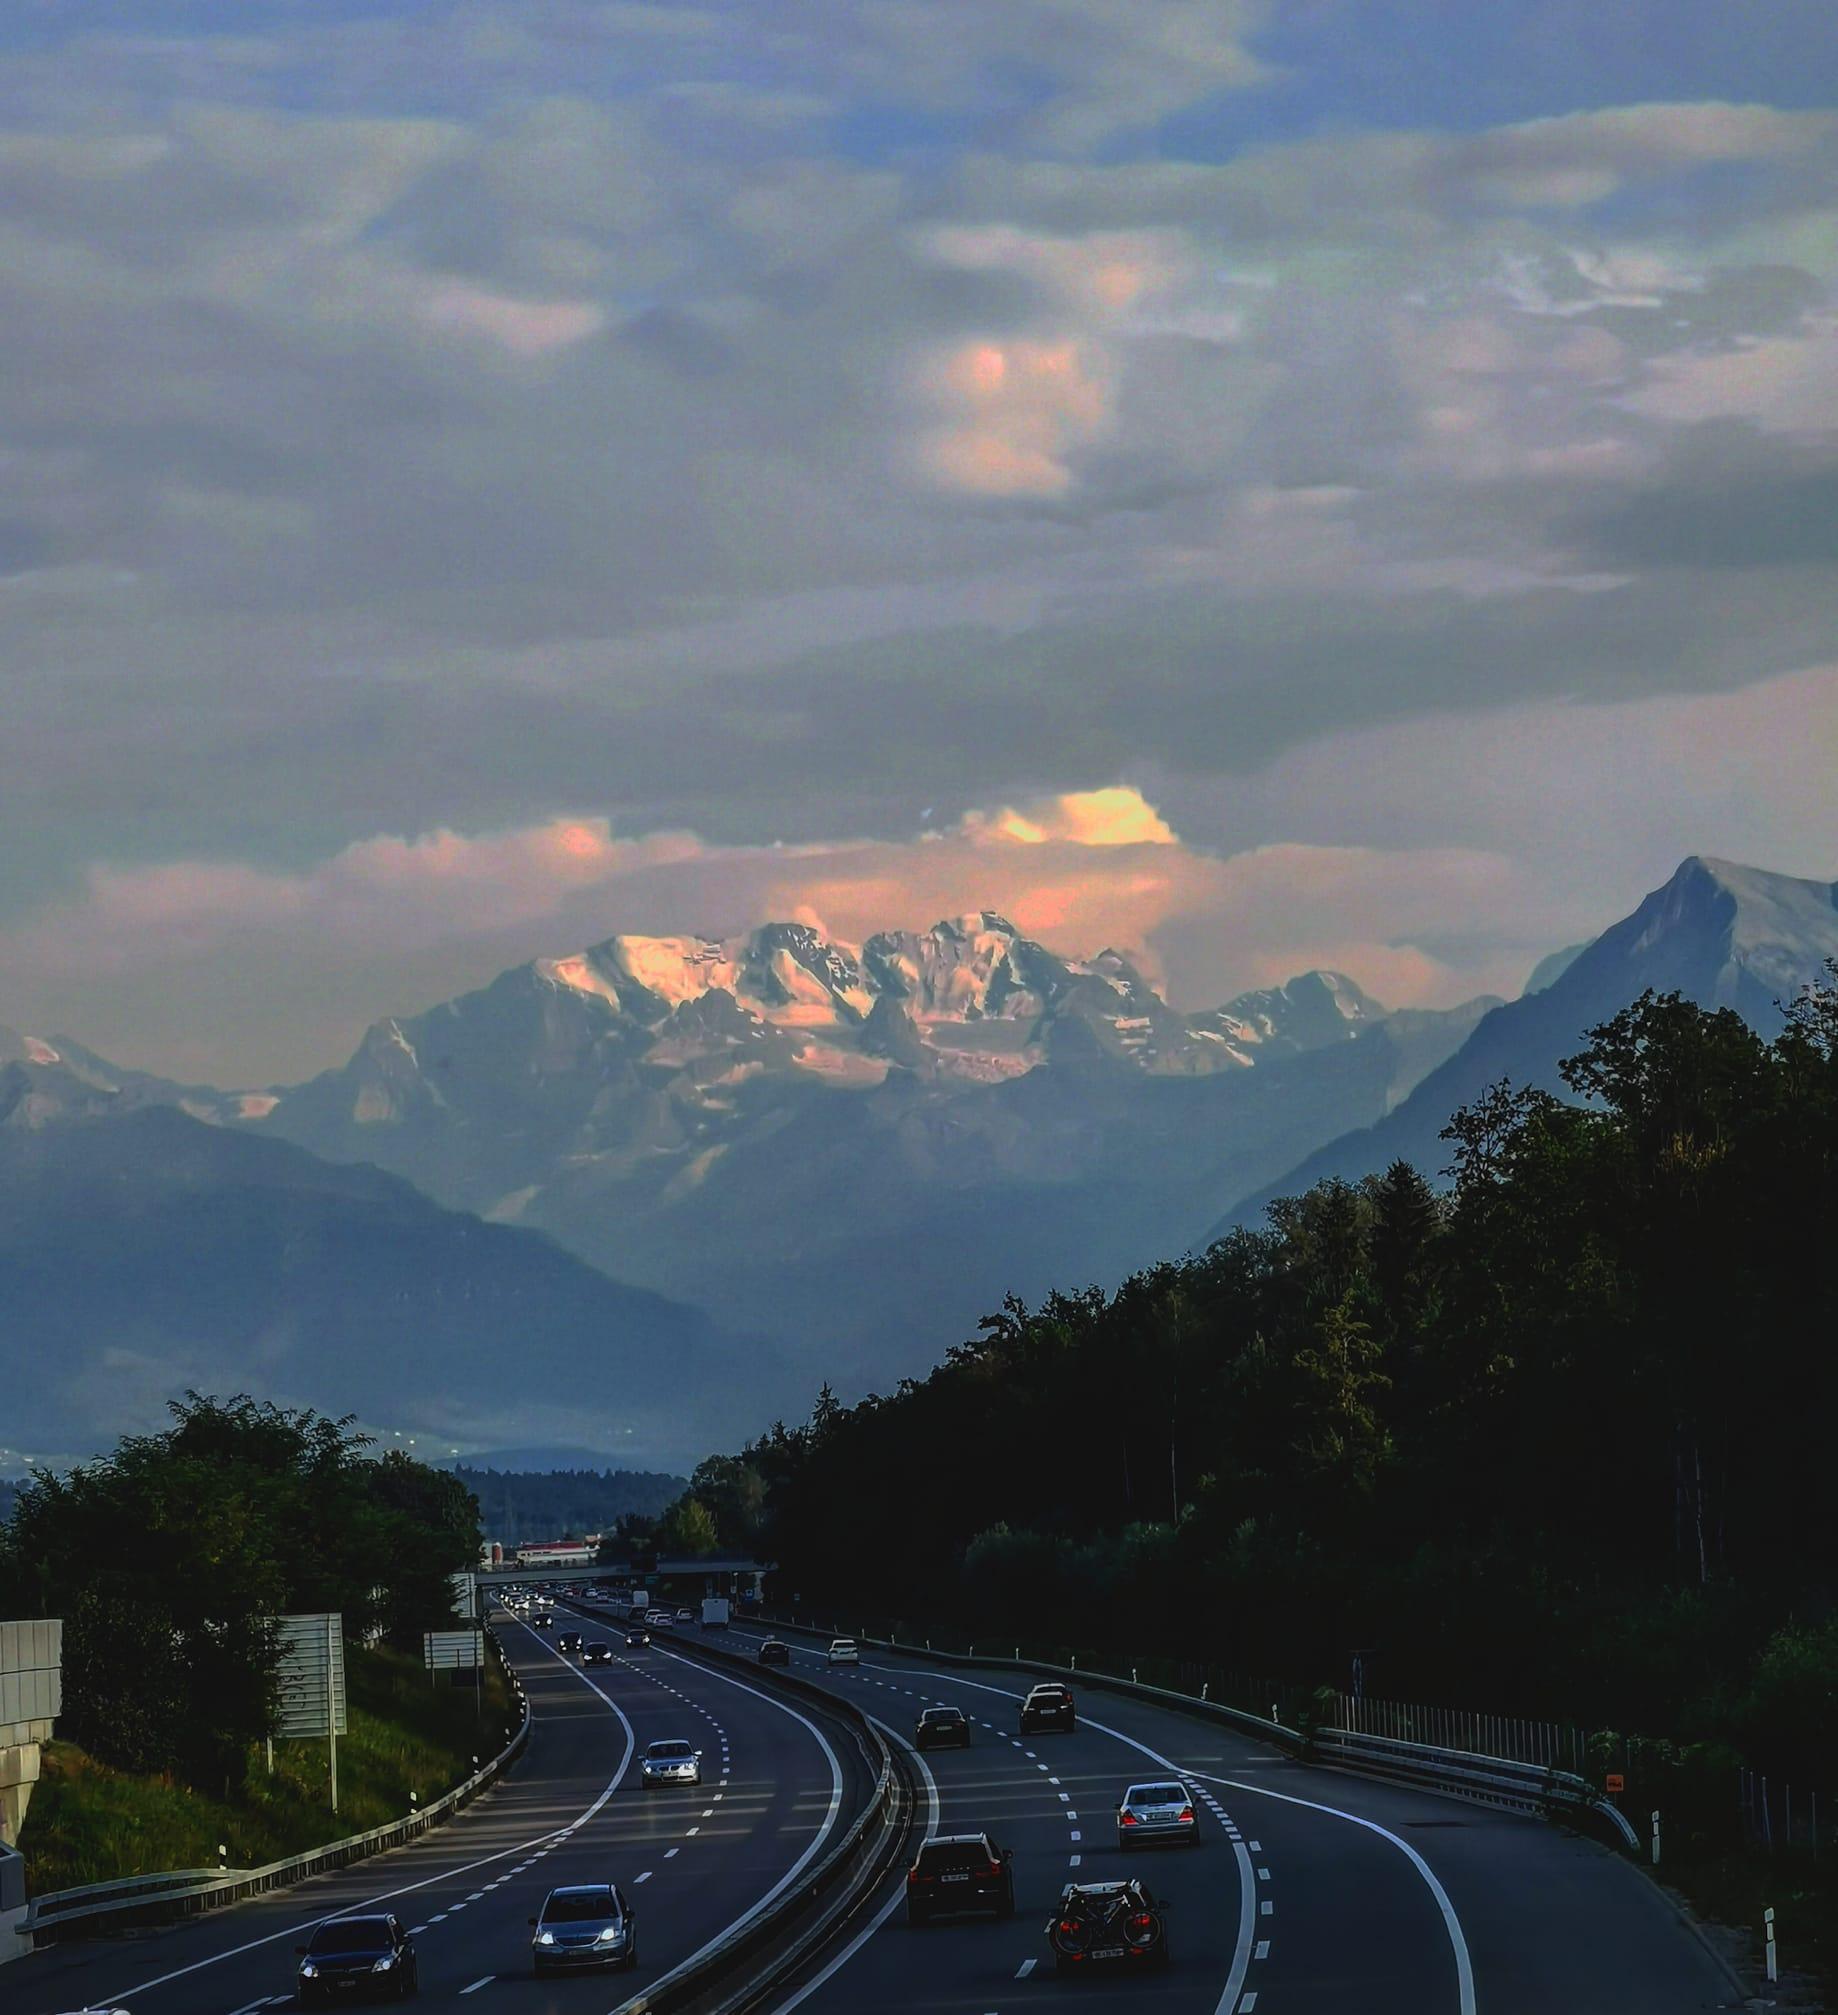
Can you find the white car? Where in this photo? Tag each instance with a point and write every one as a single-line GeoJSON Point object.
{"type": "Point", "coordinates": [672, 1761]}
{"type": "Point", "coordinates": [1152, 1812]}
{"type": "Point", "coordinates": [844, 1651]}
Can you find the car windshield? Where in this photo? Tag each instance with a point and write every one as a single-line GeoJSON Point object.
{"type": "Point", "coordinates": [352, 1934]}
{"type": "Point", "coordinates": [945, 1855]}
{"type": "Point", "coordinates": [579, 1906]}
{"type": "Point", "coordinates": [669, 1752]}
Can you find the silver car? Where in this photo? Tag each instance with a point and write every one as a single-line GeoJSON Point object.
{"type": "Point", "coordinates": [588, 1925]}
{"type": "Point", "coordinates": [1157, 1812]}
{"type": "Point", "coordinates": [672, 1761]}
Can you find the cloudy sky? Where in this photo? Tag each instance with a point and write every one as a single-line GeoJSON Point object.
{"type": "Point", "coordinates": [1344, 481]}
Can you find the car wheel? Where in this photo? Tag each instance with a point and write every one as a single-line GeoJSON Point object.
{"type": "Point", "coordinates": [631, 1959]}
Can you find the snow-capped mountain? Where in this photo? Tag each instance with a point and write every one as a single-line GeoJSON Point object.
{"type": "Point", "coordinates": [860, 1148]}
{"type": "Point", "coordinates": [1720, 933]}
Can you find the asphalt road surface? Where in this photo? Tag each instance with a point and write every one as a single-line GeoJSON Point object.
{"type": "Point", "coordinates": [1312, 1892]}
{"type": "Point", "coordinates": [777, 1786]}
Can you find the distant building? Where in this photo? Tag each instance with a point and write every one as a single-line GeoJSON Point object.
{"type": "Point", "coordinates": [560, 1552]}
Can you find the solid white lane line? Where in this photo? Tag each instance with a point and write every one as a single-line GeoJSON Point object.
{"type": "Point", "coordinates": [408, 1888]}
{"type": "Point", "coordinates": [880, 1917]}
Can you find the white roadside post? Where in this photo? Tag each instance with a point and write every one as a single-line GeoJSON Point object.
{"type": "Point", "coordinates": [1774, 1964]}
{"type": "Point", "coordinates": [1656, 1840]}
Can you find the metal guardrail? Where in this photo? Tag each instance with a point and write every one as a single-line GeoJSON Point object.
{"type": "Point", "coordinates": [188, 1892]}
{"type": "Point", "coordinates": [789, 1930]}
{"type": "Point", "coordinates": [1498, 1781]}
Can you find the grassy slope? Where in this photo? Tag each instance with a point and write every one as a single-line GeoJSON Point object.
{"type": "Point", "coordinates": [90, 1823]}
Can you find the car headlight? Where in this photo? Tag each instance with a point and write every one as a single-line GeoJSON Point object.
{"type": "Point", "coordinates": [545, 1938]}
{"type": "Point", "coordinates": [611, 1935]}
{"type": "Point", "coordinates": [308, 1971]}
{"type": "Point", "coordinates": [385, 1963]}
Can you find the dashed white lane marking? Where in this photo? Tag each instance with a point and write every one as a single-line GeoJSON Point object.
{"type": "Point", "coordinates": [708, 1812]}
{"type": "Point", "coordinates": [1076, 1834]}
{"type": "Point", "coordinates": [477, 1984]}
{"type": "Point", "coordinates": [692, 1832]}
{"type": "Point", "coordinates": [1261, 1949]}
{"type": "Point", "coordinates": [439, 1917]}
{"type": "Point", "coordinates": [1263, 1875]}
{"type": "Point", "coordinates": [1267, 1907]}
{"type": "Point", "coordinates": [1025, 1968]}
{"type": "Point", "coordinates": [477, 1896]}
{"type": "Point", "coordinates": [670, 1853]}
{"type": "Point", "coordinates": [1074, 1862]}
{"type": "Point", "coordinates": [1256, 1846]}
{"type": "Point", "coordinates": [637, 1879]}
{"type": "Point", "coordinates": [1247, 2004]}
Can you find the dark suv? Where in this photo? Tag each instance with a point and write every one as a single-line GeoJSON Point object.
{"type": "Point", "coordinates": [569, 1640]}
{"type": "Point", "coordinates": [1048, 1707]}
{"type": "Point", "coordinates": [960, 1871]}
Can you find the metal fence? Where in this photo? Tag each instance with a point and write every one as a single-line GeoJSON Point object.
{"type": "Point", "coordinates": [1554, 1745]}
{"type": "Point", "coordinates": [1777, 1815]}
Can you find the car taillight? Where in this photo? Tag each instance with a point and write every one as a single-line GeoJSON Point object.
{"type": "Point", "coordinates": [1186, 1811]}
{"type": "Point", "coordinates": [1142, 1925]}
{"type": "Point", "coordinates": [1130, 1819]}
{"type": "Point", "coordinates": [995, 1868]}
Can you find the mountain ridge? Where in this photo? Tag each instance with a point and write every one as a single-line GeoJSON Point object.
{"type": "Point", "coordinates": [1722, 933]}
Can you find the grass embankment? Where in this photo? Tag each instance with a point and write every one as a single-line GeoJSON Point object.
{"type": "Point", "coordinates": [91, 1823]}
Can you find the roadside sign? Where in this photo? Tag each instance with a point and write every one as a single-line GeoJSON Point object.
{"type": "Point", "coordinates": [310, 1679]}
{"type": "Point", "coordinates": [1614, 1783]}
{"type": "Point", "coordinates": [310, 1683]}
{"type": "Point", "coordinates": [452, 1650]}
{"type": "Point", "coordinates": [465, 1594]}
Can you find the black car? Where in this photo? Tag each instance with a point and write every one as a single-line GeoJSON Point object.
{"type": "Point", "coordinates": [947, 1727]}
{"type": "Point", "coordinates": [1101, 1924]}
{"type": "Point", "coordinates": [569, 1640]}
{"type": "Point", "coordinates": [542, 1620]}
{"type": "Point", "coordinates": [957, 1872]}
{"type": "Point", "coordinates": [357, 1959]}
{"type": "Point", "coordinates": [1048, 1706]}
{"type": "Point", "coordinates": [588, 1925]}
{"type": "Point", "coordinates": [599, 1652]}
{"type": "Point", "coordinates": [775, 1652]}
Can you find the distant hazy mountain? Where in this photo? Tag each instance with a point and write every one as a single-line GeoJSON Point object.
{"type": "Point", "coordinates": [1724, 935]}
{"type": "Point", "coordinates": [142, 1252]}
{"type": "Point", "coordinates": [858, 1150]}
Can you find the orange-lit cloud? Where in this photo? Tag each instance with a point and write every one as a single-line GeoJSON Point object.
{"type": "Point", "coordinates": [1013, 413]}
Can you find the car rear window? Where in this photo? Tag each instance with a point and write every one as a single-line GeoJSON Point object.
{"type": "Point", "coordinates": [942, 1856]}
{"type": "Point", "coordinates": [941, 1714]}
{"type": "Point", "coordinates": [1158, 1794]}
{"type": "Point", "coordinates": [352, 1934]}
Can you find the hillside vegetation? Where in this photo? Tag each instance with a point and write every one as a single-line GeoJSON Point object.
{"type": "Point", "coordinates": [1558, 1443]}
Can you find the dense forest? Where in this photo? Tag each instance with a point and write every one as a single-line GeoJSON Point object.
{"type": "Point", "coordinates": [1555, 1441]}
{"type": "Point", "coordinates": [519, 1505]}
{"type": "Point", "coordinates": [170, 1559]}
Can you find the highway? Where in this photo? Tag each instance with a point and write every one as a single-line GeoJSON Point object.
{"type": "Point", "coordinates": [1313, 1892]}
{"type": "Point", "coordinates": [777, 1785]}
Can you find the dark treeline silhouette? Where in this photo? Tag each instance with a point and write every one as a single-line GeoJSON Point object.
{"type": "Point", "coordinates": [519, 1505]}
{"type": "Point", "coordinates": [1556, 1442]}
{"type": "Point", "coordinates": [170, 1559]}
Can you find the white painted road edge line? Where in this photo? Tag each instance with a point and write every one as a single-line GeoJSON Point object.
{"type": "Point", "coordinates": [934, 1807]}
{"type": "Point", "coordinates": [1241, 1955]}
{"type": "Point", "coordinates": [803, 1861]}
{"type": "Point", "coordinates": [409, 1888]}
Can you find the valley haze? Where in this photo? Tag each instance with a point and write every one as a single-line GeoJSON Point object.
{"type": "Point", "coordinates": [656, 1191]}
